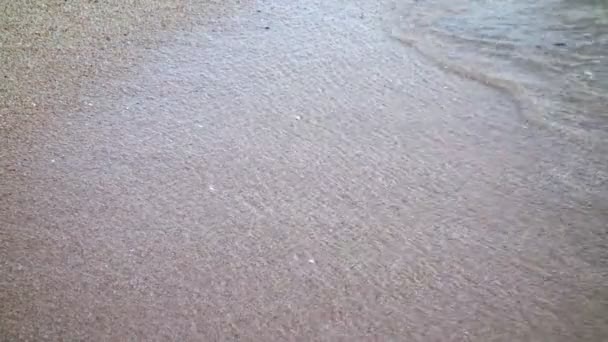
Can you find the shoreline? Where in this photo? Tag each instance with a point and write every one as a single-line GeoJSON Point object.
{"type": "Point", "coordinates": [315, 180]}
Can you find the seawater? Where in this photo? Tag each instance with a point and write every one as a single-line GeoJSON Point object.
{"type": "Point", "coordinates": [550, 55]}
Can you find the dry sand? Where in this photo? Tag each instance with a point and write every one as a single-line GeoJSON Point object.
{"type": "Point", "coordinates": [283, 171]}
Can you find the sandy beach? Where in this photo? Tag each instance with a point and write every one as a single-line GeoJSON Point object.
{"type": "Point", "coordinates": [282, 170]}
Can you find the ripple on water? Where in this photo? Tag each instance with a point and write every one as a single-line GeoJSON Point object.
{"type": "Point", "coordinates": [549, 55]}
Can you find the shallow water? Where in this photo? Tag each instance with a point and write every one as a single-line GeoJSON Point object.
{"type": "Point", "coordinates": [291, 172]}
{"type": "Point", "coordinates": [551, 55]}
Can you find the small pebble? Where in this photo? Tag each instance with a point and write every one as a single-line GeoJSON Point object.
{"type": "Point", "coordinates": [312, 261]}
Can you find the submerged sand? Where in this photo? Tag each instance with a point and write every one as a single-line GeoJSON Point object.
{"type": "Point", "coordinates": [288, 171]}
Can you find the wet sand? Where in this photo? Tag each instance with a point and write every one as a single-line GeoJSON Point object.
{"type": "Point", "coordinates": [292, 172]}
